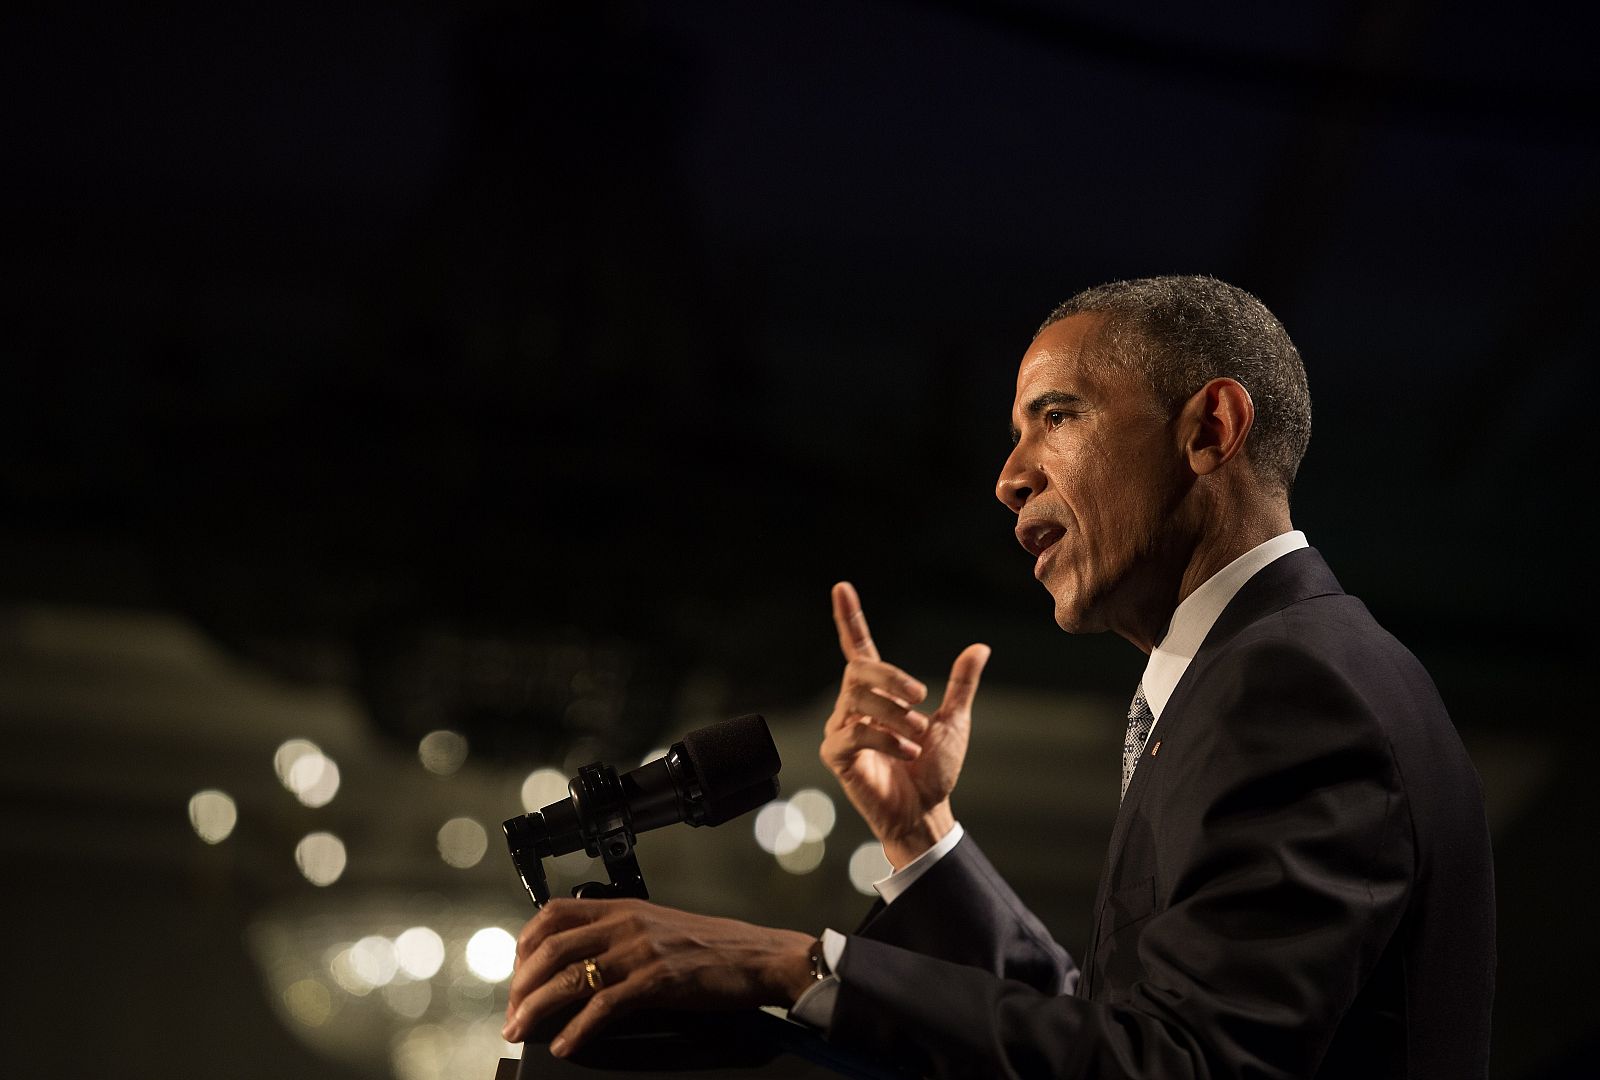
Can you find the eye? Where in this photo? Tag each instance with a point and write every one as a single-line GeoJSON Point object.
{"type": "Point", "coordinates": [1055, 418]}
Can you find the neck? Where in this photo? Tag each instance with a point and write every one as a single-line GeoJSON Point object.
{"type": "Point", "coordinates": [1183, 561]}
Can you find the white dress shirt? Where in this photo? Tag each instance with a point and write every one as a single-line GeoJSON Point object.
{"type": "Point", "coordinates": [1190, 624]}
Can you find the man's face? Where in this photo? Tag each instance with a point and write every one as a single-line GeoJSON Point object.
{"type": "Point", "coordinates": [1094, 478]}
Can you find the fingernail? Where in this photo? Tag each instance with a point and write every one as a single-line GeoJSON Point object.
{"type": "Point", "coordinates": [558, 1046]}
{"type": "Point", "coordinates": [507, 1031]}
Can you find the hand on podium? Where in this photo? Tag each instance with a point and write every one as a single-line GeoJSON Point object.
{"type": "Point", "coordinates": [612, 957]}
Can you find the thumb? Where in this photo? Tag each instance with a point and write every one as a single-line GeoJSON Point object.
{"type": "Point", "coordinates": [964, 676]}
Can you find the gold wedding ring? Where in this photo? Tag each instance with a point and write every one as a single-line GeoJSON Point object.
{"type": "Point", "coordinates": [591, 974]}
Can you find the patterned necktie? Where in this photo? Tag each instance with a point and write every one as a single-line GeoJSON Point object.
{"type": "Point", "coordinates": [1140, 721]}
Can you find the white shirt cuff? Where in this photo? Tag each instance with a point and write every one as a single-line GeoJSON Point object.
{"type": "Point", "coordinates": [815, 1006]}
{"type": "Point", "coordinates": [891, 887]}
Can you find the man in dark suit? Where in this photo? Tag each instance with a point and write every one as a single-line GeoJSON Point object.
{"type": "Point", "coordinates": [1298, 883]}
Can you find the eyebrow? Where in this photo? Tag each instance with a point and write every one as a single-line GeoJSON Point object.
{"type": "Point", "coordinates": [1042, 402]}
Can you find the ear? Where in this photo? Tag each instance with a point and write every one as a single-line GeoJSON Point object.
{"type": "Point", "coordinates": [1215, 423]}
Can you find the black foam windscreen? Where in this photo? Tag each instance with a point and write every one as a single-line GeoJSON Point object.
{"type": "Point", "coordinates": [732, 761]}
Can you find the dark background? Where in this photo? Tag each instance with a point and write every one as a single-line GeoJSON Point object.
{"type": "Point", "coordinates": [433, 353]}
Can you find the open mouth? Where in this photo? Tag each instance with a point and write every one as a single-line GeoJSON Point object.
{"type": "Point", "coordinates": [1039, 537]}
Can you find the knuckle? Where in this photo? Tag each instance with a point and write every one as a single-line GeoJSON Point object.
{"type": "Point", "coordinates": [645, 983]}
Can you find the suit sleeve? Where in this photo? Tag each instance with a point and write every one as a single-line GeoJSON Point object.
{"type": "Point", "coordinates": [963, 912]}
{"type": "Point", "coordinates": [1277, 862]}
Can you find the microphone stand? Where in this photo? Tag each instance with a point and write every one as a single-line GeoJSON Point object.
{"type": "Point", "coordinates": [607, 832]}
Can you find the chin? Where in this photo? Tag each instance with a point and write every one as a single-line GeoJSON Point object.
{"type": "Point", "coordinates": [1077, 618]}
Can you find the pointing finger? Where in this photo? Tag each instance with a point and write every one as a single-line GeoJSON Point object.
{"type": "Point", "coordinates": [964, 676]}
{"type": "Point", "coordinates": [855, 640]}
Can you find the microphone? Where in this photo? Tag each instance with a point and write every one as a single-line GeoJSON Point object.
{"type": "Point", "coordinates": [713, 775]}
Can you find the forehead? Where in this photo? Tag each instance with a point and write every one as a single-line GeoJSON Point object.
{"type": "Point", "coordinates": [1063, 358]}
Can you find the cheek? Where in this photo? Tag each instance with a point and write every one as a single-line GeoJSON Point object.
{"type": "Point", "coordinates": [1114, 507]}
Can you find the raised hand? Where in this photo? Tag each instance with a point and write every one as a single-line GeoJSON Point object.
{"type": "Point", "coordinates": [897, 765]}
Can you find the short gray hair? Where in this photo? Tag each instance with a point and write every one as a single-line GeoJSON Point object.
{"type": "Point", "coordinates": [1181, 332]}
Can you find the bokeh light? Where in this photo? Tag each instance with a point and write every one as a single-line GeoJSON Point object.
{"type": "Point", "coordinates": [408, 1000]}
{"type": "Point", "coordinates": [868, 864]}
{"type": "Point", "coordinates": [373, 960]}
{"type": "Point", "coordinates": [462, 842]}
{"type": "Point", "coordinates": [420, 952]}
{"type": "Point", "coordinates": [314, 779]}
{"type": "Point", "coordinates": [543, 787]}
{"type": "Point", "coordinates": [309, 1002]}
{"type": "Point", "coordinates": [470, 998]}
{"type": "Point", "coordinates": [491, 954]}
{"type": "Point", "coordinates": [213, 815]}
{"type": "Point", "coordinates": [321, 857]}
{"type": "Point", "coordinates": [423, 1053]}
{"type": "Point", "coordinates": [344, 973]}
{"type": "Point", "coordinates": [816, 807]}
{"type": "Point", "coordinates": [442, 752]}
{"type": "Point", "coordinates": [440, 1052]}
{"type": "Point", "coordinates": [290, 752]}
{"type": "Point", "coordinates": [780, 827]}
{"type": "Point", "coordinates": [804, 858]}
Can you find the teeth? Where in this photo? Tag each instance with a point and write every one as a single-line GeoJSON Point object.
{"type": "Point", "coordinates": [1038, 539]}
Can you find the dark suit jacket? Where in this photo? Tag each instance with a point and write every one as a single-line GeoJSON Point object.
{"type": "Point", "coordinates": [1298, 885]}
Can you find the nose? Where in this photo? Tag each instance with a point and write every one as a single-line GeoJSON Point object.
{"type": "Point", "coordinates": [1019, 481]}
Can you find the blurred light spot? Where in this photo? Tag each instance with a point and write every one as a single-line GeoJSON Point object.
{"type": "Point", "coordinates": [283, 760]}
{"type": "Point", "coordinates": [344, 973]}
{"type": "Point", "coordinates": [654, 755]}
{"type": "Point", "coordinates": [453, 1051]}
{"type": "Point", "coordinates": [320, 857]}
{"type": "Point", "coordinates": [462, 842]}
{"type": "Point", "coordinates": [469, 998]}
{"type": "Point", "coordinates": [442, 752]}
{"type": "Point", "coordinates": [491, 954]}
{"type": "Point", "coordinates": [543, 787]}
{"type": "Point", "coordinates": [423, 1053]}
{"type": "Point", "coordinates": [420, 952]}
{"type": "Point", "coordinates": [817, 809]}
{"type": "Point", "coordinates": [408, 1000]}
{"type": "Point", "coordinates": [867, 865]}
{"type": "Point", "coordinates": [314, 779]}
{"type": "Point", "coordinates": [213, 815]}
{"type": "Point", "coordinates": [373, 960]}
{"type": "Point", "coordinates": [308, 1002]}
{"type": "Point", "coordinates": [780, 827]}
{"type": "Point", "coordinates": [803, 859]}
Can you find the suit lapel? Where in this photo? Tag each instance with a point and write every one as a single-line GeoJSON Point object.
{"type": "Point", "coordinates": [1299, 575]}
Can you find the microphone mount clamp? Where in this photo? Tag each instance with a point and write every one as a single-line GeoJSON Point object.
{"type": "Point", "coordinates": [607, 832]}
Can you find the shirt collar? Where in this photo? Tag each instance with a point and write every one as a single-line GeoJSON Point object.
{"type": "Point", "coordinates": [1198, 613]}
